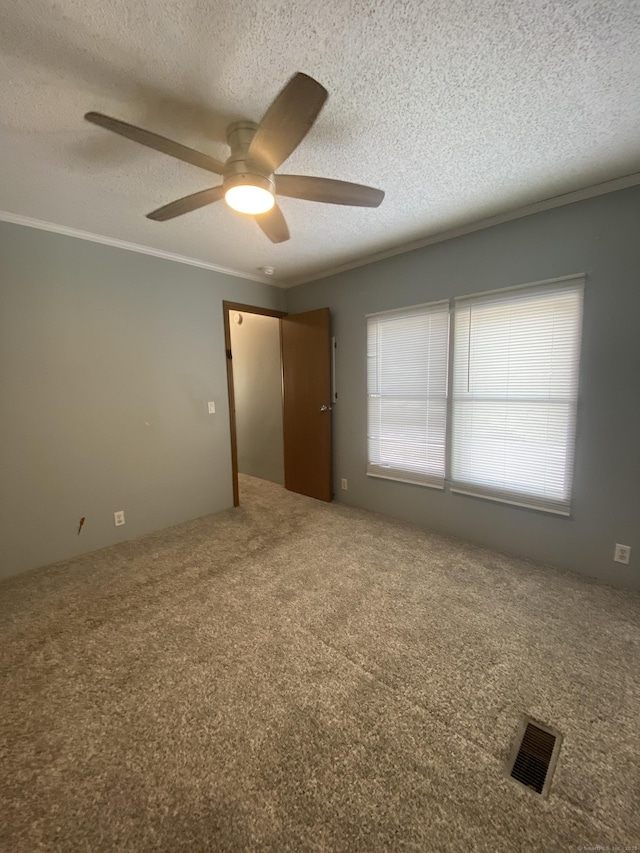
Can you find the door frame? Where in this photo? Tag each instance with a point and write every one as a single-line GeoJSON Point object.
{"type": "Point", "coordinates": [227, 308]}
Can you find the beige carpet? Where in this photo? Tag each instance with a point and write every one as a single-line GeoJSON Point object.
{"type": "Point", "coordinates": [292, 675]}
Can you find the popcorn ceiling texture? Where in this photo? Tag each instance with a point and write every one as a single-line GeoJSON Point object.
{"type": "Point", "coordinates": [458, 109]}
{"type": "Point", "coordinates": [299, 676]}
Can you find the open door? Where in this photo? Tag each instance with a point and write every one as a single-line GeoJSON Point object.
{"type": "Point", "coordinates": [227, 309]}
{"type": "Point", "coordinates": [306, 370]}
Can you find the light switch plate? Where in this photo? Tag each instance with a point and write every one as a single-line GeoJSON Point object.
{"type": "Point", "coordinates": [212, 408]}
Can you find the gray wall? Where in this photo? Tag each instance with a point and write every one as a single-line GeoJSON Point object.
{"type": "Point", "coordinates": [108, 358]}
{"type": "Point", "coordinates": [257, 385]}
{"type": "Point", "coordinates": [107, 361]}
{"type": "Point", "coordinates": [601, 237]}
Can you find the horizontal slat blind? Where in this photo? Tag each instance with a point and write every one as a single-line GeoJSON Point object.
{"type": "Point", "coordinates": [515, 389]}
{"type": "Point", "coordinates": [407, 354]}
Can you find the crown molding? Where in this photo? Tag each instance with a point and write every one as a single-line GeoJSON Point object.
{"type": "Point", "coordinates": [517, 213]}
{"type": "Point", "coordinates": [16, 219]}
{"type": "Point", "coordinates": [537, 207]}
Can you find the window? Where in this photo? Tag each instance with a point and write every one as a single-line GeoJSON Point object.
{"type": "Point", "coordinates": [513, 404]}
{"type": "Point", "coordinates": [407, 354]}
{"type": "Point", "coordinates": [515, 386]}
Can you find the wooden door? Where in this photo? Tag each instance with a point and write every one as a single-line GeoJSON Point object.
{"type": "Point", "coordinates": [306, 371]}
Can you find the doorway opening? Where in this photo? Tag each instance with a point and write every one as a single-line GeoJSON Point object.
{"type": "Point", "coordinates": [300, 383]}
{"type": "Point", "coordinates": [254, 372]}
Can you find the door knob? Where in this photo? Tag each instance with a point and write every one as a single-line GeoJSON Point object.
{"type": "Point", "coordinates": [324, 408]}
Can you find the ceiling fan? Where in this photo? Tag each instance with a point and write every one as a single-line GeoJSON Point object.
{"type": "Point", "coordinates": [249, 183]}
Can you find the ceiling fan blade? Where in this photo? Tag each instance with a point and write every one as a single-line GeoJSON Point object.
{"type": "Point", "coordinates": [186, 204]}
{"type": "Point", "coordinates": [328, 190]}
{"type": "Point", "coordinates": [159, 143]}
{"type": "Point", "coordinates": [273, 224]}
{"type": "Point", "coordinates": [287, 121]}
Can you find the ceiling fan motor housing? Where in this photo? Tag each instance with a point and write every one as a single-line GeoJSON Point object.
{"type": "Point", "coordinates": [238, 170]}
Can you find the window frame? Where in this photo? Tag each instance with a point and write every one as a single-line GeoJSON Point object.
{"type": "Point", "coordinates": [434, 482]}
{"type": "Point", "coordinates": [525, 500]}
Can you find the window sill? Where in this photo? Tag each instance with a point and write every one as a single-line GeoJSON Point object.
{"type": "Point", "coordinates": [566, 513]}
{"type": "Point", "coordinates": [439, 486]}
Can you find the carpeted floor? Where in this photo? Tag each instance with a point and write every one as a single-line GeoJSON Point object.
{"type": "Point", "coordinates": [292, 675]}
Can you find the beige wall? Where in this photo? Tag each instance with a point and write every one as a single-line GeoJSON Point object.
{"type": "Point", "coordinates": [255, 344]}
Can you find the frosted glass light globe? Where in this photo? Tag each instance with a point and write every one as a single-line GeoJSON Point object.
{"type": "Point", "coordinates": [249, 199]}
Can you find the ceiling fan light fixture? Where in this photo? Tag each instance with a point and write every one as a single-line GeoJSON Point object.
{"type": "Point", "coordinates": [257, 151]}
{"type": "Point", "coordinates": [247, 198]}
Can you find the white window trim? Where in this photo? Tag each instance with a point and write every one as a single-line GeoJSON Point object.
{"type": "Point", "coordinates": [438, 486]}
{"type": "Point", "coordinates": [504, 496]}
{"type": "Point", "coordinates": [435, 483]}
{"type": "Point", "coordinates": [448, 483]}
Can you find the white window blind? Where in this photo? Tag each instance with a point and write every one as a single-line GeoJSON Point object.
{"type": "Point", "coordinates": [407, 353]}
{"type": "Point", "coordinates": [515, 389]}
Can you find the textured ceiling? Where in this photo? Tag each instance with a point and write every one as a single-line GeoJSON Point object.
{"type": "Point", "coordinates": [458, 109]}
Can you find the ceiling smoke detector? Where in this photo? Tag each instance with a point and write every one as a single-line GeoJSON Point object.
{"type": "Point", "coordinates": [266, 270]}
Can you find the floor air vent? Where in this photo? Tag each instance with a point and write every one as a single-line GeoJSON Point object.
{"type": "Point", "coordinates": [534, 756]}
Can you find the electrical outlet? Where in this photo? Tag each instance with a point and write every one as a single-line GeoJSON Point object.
{"type": "Point", "coordinates": [622, 554]}
{"type": "Point", "coordinates": [118, 518]}
{"type": "Point", "coordinates": [212, 408]}
{"type": "Point", "coordinates": [344, 485]}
